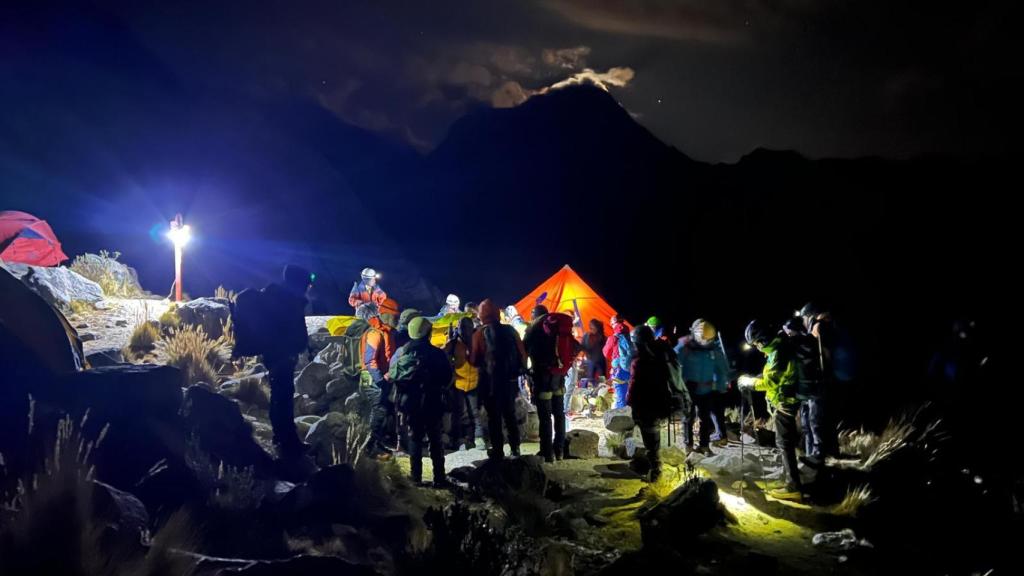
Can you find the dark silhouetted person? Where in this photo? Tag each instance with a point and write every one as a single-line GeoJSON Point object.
{"type": "Point", "coordinates": [596, 366]}
{"type": "Point", "coordinates": [547, 385]}
{"type": "Point", "coordinates": [285, 305]}
{"type": "Point", "coordinates": [422, 376]}
{"type": "Point", "coordinates": [498, 352]}
{"type": "Point", "coordinates": [650, 393]}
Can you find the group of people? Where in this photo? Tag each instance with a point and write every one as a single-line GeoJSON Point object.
{"type": "Point", "coordinates": [486, 363]}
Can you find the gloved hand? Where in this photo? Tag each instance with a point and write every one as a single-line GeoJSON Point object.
{"type": "Point", "coordinates": [746, 382]}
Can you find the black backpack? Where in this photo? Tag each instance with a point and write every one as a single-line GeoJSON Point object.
{"type": "Point", "coordinates": [810, 377]}
{"type": "Point", "coordinates": [502, 360]}
{"type": "Point", "coordinates": [252, 322]}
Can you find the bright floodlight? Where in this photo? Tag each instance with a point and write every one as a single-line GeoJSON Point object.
{"type": "Point", "coordinates": [179, 234]}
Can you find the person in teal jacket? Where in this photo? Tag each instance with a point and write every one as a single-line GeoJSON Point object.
{"type": "Point", "coordinates": [706, 373]}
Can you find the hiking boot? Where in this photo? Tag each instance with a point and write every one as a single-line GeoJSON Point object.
{"type": "Point", "coordinates": [471, 445]}
{"type": "Point", "coordinates": [654, 475]}
{"type": "Point", "coordinates": [442, 483]}
{"type": "Point", "coordinates": [495, 455]}
{"type": "Point", "coordinates": [515, 451]}
{"type": "Point", "coordinates": [705, 450]}
{"type": "Point", "coordinates": [721, 442]}
{"type": "Point", "coordinates": [788, 492]}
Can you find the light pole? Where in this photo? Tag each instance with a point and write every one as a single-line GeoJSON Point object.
{"type": "Point", "coordinates": [179, 234]}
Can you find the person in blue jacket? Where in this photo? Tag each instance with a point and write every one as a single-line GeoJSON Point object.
{"type": "Point", "coordinates": [706, 372]}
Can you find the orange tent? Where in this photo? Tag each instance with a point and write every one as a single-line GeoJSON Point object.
{"type": "Point", "coordinates": [559, 293]}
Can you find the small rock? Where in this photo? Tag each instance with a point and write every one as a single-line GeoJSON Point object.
{"type": "Point", "coordinates": [582, 443]}
{"type": "Point", "coordinates": [619, 420]}
{"type": "Point", "coordinates": [121, 323]}
{"type": "Point", "coordinates": [81, 326]}
{"type": "Point", "coordinates": [86, 336]}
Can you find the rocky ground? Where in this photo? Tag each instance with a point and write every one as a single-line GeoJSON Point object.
{"type": "Point", "coordinates": [109, 324]}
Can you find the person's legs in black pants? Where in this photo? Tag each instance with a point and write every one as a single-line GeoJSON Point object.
{"type": "Point", "coordinates": [507, 406]}
{"type": "Point", "coordinates": [703, 404]}
{"type": "Point", "coordinates": [651, 435]}
{"type": "Point", "coordinates": [474, 430]}
{"type": "Point", "coordinates": [543, 402]}
{"type": "Point", "coordinates": [786, 438]}
{"type": "Point", "coordinates": [558, 414]}
{"type": "Point", "coordinates": [282, 412]}
{"type": "Point", "coordinates": [495, 416]}
{"type": "Point", "coordinates": [433, 431]}
{"type": "Point", "coordinates": [457, 409]}
{"type": "Point", "coordinates": [416, 433]}
{"type": "Point", "coordinates": [379, 414]}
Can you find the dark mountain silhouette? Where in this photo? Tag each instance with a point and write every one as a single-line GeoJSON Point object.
{"type": "Point", "coordinates": [109, 150]}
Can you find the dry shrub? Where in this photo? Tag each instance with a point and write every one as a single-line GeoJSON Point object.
{"type": "Point", "coordinates": [170, 319]}
{"type": "Point", "coordinates": [113, 277]}
{"type": "Point", "coordinates": [194, 353]}
{"type": "Point", "coordinates": [856, 499]}
{"type": "Point", "coordinates": [50, 525]}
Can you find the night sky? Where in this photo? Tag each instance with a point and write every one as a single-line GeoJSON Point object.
{"type": "Point", "coordinates": [714, 79]}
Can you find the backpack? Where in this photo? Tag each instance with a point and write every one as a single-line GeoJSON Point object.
{"type": "Point", "coordinates": [251, 323]}
{"type": "Point", "coordinates": [626, 352]}
{"type": "Point", "coordinates": [807, 355]}
{"type": "Point", "coordinates": [558, 328]}
{"type": "Point", "coordinates": [412, 376]}
{"type": "Point", "coordinates": [680, 394]}
{"type": "Point", "coordinates": [502, 359]}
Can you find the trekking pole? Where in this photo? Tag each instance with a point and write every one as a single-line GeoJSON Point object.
{"type": "Point", "coordinates": [743, 470]}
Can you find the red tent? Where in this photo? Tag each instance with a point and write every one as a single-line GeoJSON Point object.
{"type": "Point", "coordinates": [565, 292]}
{"type": "Point", "coordinates": [28, 240]}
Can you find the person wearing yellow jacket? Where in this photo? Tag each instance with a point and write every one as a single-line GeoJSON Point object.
{"type": "Point", "coordinates": [465, 427]}
{"type": "Point", "coordinates": [779, 381]}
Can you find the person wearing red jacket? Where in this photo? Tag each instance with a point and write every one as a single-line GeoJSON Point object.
{"type": "Point", "coordinates": [619, 351]}
{"type": "Point", "coordinates": [366, 295]}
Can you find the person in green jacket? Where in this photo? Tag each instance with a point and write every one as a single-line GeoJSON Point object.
{"type": "Point", "coordinates": [779, 382]}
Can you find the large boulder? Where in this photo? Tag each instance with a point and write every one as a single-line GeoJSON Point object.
{"type": "Point", "coordinates": [301, 566]}
{"type": "Point", "coordinates": [221, 431]}
{"type": "Point", "coordinates": [619, 420]}
{"type": "Point", "coordinates": [59, 286]}
{"type": "Point", "coordinates": [210, 313]}
{"type": "Point", "coordinates": [689, 511]}
{"type": "Point", "coordinates": [328, 437]}
{"type": "Point", "coordinates": [121, 518]}
{"type": "Point", "coordinates": [582, 443]}
{"type": "Point", "coordinates": [115, 278]}
{"type": "Point", "coordinates": [137, 406]}
{"type": "Point", "coordinates": [38, 340]}
{"type": "Point", "coordinates": [312, 380]}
